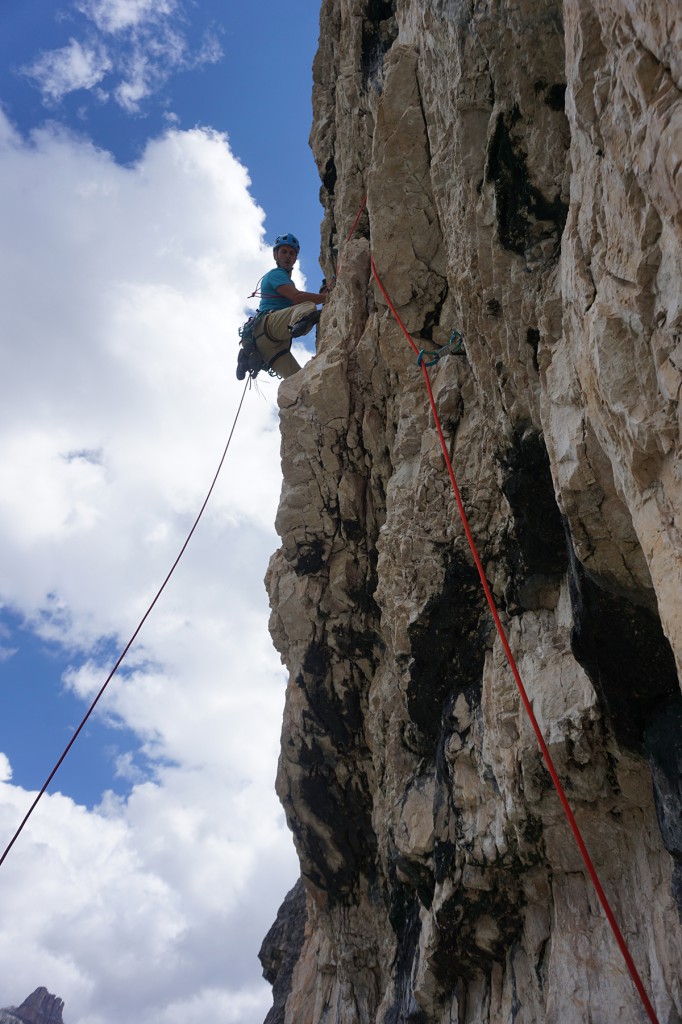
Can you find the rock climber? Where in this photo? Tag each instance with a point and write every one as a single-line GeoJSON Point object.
{"type": "Point", "coordinates": [284, 311]}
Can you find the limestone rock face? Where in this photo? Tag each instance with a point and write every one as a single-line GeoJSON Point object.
{"type": "Point", "coordinates": [521, 163]}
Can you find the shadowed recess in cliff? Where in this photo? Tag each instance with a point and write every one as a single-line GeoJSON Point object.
{"type": "Point", "coordinates": [404, 918]}
{"type": "Point", "coordinates": [622, 647]}
{"type": "Point", "coordinates": [448, 644]}
{"type": "Point", "coordinates": [379, 32]}
{"type": "Point", "coordinates": [535, 548]}
{"type": "Point", "coordinates": [525, 217]}
{"type": "Point", "coordinates": [663, 742]}
{"type": "Point", "coordinates": [329, 176]}
{"type": "Point", "coordinates": [311, 557]}
{"type": "Point", "coordinates": [554, 95]}
{"type": "Point", "coordinates": [533, 339]}
{"type": "Point", "coordinates": [433, 315]}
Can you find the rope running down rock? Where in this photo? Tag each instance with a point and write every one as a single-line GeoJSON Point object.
{"type": "Point", "coordinates": [517, 677]}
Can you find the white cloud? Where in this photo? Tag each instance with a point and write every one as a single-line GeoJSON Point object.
{"type": "Point", "coordinates": [120, 15]}
{"type": "Point", "coordinates": [6, 652]}
{"type": "Point", "coordinates": [147, 912]}
{"type": "Point", "coordinates": [121, 291]}
{"type": "Point", "coordinates": [76, 66]}
{"type": "Point", "coordinates": [138, 44]}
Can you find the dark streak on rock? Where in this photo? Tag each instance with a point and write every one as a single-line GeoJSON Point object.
{"type": "Point", "coordinates": [379, 32]}
{"type": "Point", "coordinates": [404, 918]}
{"type": "Point", "coordinates": [535, 548]}
{"type": "Point", "coordinates": [622, 647]}
{"type": "Point", "coordinates": [448, 647]}
{"type": "Point", "coordinates": [524, 216]}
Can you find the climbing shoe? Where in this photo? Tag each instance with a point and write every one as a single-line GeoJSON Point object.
{"type": "Point", "coordinates": [242, 363]}
{"type": "Point", "coordinates": [306, 322]}
{"type": "Point", "coordinates": [256, 362]}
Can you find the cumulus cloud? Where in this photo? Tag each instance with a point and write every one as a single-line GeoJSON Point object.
{"type": "Point", "coordinates": [122, 291]}
{"type": "Point", "coordinates": [149, 913]}
{"type": "Point", "coordinates": [136, 45]}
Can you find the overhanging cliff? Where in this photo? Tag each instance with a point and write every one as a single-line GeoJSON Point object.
{"type": "Point", "coordinates": [521, 163]}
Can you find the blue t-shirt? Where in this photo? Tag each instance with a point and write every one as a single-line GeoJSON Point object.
{"type": "Point", "coordinates": [273, 280]}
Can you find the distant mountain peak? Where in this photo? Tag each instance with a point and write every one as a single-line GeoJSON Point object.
{"type": "Point", "coordinates": [41, 1007]}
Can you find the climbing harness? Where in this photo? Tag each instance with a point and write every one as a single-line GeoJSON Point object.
{"type": "Point", "coordinates": [454, 347]}
{"type": "Point", "coordinates": [577, 835]}
{"type": "Point", "coordinates": [130, 642]}
{"type": "Point", "coordinates": [249, 360]}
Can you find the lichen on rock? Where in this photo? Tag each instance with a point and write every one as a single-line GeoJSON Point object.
{"type": "Point", "coordinates": [521, 168]}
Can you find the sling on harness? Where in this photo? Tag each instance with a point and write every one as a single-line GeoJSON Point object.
{"type": "Point", "coordinates": [249, 359]}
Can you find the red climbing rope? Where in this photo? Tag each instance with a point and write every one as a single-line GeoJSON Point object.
{"type": "Point", "coordinates": [130, 642]}
{"type": "Point", "coordinates": [355, 222]}
{"type": "Point", "coordinates": [517, 677]}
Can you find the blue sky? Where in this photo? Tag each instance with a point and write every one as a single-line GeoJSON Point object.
{"type": "Point", "coordinates": [252, 79]}
{"type": "Point", "coordinates": [149, 152]}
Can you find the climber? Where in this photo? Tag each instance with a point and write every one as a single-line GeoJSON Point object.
{"type": "Point", "coordinates": [284, 312]}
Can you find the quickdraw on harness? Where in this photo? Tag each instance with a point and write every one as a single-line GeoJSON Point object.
{"type": "Point", "coordinates": [453, 347]}
{"type": "Point", "coordinates": [249, 359]}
